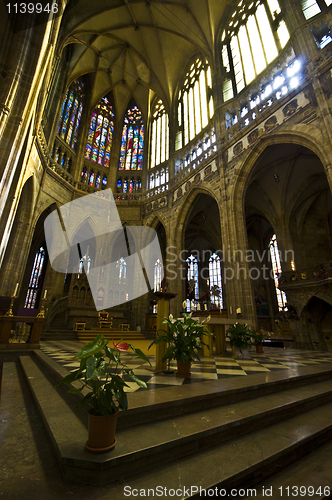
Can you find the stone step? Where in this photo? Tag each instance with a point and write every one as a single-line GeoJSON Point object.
{"type": "Point", "coordinates": [311, 474]}
{"type": "Point", "coordinates": [152, 406]}
{"type": "Point", "coordinates": [144, 446]}
{"type": "Point", "coordinates": [110, 334]}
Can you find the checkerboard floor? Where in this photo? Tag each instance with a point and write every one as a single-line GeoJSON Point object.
{"type": "Point", "coordinates": [209, 368]}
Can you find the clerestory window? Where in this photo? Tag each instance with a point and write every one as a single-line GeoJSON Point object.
{"type": "Point", "coordinates": [195, 103]}
{"type": "Point", "coordinates": [253, 38]}
{"type": "Point", "coordinates": [311, 8]}
{"type": "Point", "coordinates": [132, 141]}
{"type": "Point", "coordinates": [71, 113]}
{"type": "Point", "coordinates": [99, 142]}
{"type": "Point", "coordinates": [159, 135]}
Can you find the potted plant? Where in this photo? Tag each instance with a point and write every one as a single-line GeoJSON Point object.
{"type": "Point", "coordinates": [240, 339]}
{"type": "Point", "coordinates": [257, 339]}
{"type": "Point", "coordinates": [184, 339]}
{"type": "Point", "coordinates": [101, 374]}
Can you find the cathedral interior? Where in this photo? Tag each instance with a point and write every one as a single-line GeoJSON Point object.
{"type": "Point", "coordinates": [210, 122]}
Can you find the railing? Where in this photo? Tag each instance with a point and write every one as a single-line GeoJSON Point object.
{"type": "Point", "coordinates": [58, 307]}
{"type": "Point", "coordinates": [313, 275]}
{"type": "Point", "coordinates": [242, 112]}
{"type": "Point", "coordinates": [194, 155]}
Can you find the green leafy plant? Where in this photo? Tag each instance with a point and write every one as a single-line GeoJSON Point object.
{"type": "Point", "coordinates": [240, 336]}
{"type": "Point", "coordinates": [101, 372]}
{"type": "Point", "coordinates": [184, 338]}
{"type": "Point", "coordinates": [258, 336]}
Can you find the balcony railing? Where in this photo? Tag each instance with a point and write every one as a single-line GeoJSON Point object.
{"type": "Point", "coordinates": [312, 275]}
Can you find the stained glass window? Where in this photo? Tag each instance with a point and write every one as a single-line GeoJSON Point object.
{"type": "Point", "coordinates": [159, 135]}
{"type": "Point", "coordinates": [122, 270]}
{"type": "Point", "coordinates": [192, 280]}
{"type": "Point", "coordinates": [276, 266]}
{"type": "Point", "coordinates": [254, 37]}
{"type": "Point", "coordinates": [104, 181]}
{"type": "Point", "coordinates": [215, 280]}
{"type": "Point", "coordinates": [157, 276]}
{"type": "Point", "coordinates": [98, 181]}
{"type": "Point", "coordinates": [195, 102]}
{"type": "Point", "coordinates": [132, 141]}
{"type": "Point", "coordinates": [34, 283]}
{"type": "Point", "coordinates": [91, 179]}
{"type": "Point", "coordinates": [99, 142]}
{"type": "Point", "coordinates": [84, 175]}
{"type": "Point", "coordinates": [71, 113]}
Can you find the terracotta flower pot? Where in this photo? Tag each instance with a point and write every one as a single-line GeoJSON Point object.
{"type": "Point", "coordinates": [183, 369]}
{"type": "Point", "coordinates": [240, 353]}
{"type": "Point", "coordinates": [101, 432]}
{"type": "Point", "coordinates": [259, 348]}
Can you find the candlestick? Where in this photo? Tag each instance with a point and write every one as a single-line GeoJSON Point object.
{"type": "Point", "coordinates": [41, 313]}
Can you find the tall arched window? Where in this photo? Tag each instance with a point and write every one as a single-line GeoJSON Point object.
{"type": "Point", "coordinates": [159, 135]}
{"type": "Point", "coordinates": [34, 283]}
{"type": "Point", "coordinates": [99, 143]}
{"type": "Point", "coordinates": [132, 141]}
{"type": "Point", "coordinates": [71, 113]}
{"type": "Point", "coordinates": [122, 270]}
{"type": "Point", "coordinates": [192, 279]}
{"type": "Point", "coordinates": [157, 276]}
{"type": "Point", "coordinates": [215, 280]}
{"type": "Point", "coordinates": [195, 103]}
{"type": "Point", "coordinates": [254, 36]}
{"type": "Point", "coordinates": [312, 7]}
{"type": "Point", "coordinates": [86, 258]}
{"type": "Point", "coordinates": [276, 266]}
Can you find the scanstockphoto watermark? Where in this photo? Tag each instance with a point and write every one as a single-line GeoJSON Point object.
{"type": "Point", "coordinates": [234, 264]}
{"type": "Point", "coordinates": [226, 254]}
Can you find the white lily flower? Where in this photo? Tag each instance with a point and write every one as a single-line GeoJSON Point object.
{"type": "Point", "coordinates": [170, 317]}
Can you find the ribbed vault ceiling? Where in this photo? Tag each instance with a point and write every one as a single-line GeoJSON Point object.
{"type": "Point", "coordinates": [137, 47]}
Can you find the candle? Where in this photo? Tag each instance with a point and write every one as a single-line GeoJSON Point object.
{"type": "Point", "coordinates": [205, 307]}
{"type": "Point", "coordinates": [199, 307]}
{"type": "Point", "coordinates": [45, 293]}
{"type": "Point", "coordinates": [16, 288]}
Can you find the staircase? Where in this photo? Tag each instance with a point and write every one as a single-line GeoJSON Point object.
{"type": "Point", "coordinates": [230, 433]}
{"type": "Point", "coordinates": [88, 335]}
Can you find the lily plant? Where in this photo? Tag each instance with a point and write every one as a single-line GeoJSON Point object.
{"type": "Point", "coordinates": [240, 336]}
{"type": "Point", "coordinates": [184, 338]}
{"type": "Point", "coordinates": [102, 372]}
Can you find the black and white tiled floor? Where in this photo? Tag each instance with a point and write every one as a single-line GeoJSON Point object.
{"type": "Point", "coordinates": [210, 368]}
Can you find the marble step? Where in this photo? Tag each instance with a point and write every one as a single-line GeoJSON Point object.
{"type": "Point", "coordinates": [151, 406]}
{"type": "Point", "coordinates": [244, 463]}
{"type": "Point", "coordinates": [153, 444]}
{"type": "Point", "coordinates": [311, 474]}
{"type": "Point", "coordinates": [199, 396]}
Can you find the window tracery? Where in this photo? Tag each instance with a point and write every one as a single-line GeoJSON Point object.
{"type": "Point", "coordinates": [276, 267]}
{"type": "Point", "coordinates": [71, 113]}
{"type": "Point", "coordinates": [35, 278]}
{"type": "Point", "coordinates": [159, 135]}
{"type": "Point", "coordinates": [254, 37]}
{"type": "Point", "coordinates": [99, 142]}
{"type": "Point", "coordinates": [215, 280]}
{"type": "Point", "coordinates": [195, 103]}
{"type": "Point", "coordinates": [132, 141]}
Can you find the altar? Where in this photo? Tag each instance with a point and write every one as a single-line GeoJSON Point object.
{"type": "Point", "coordinates": [218, 327]}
